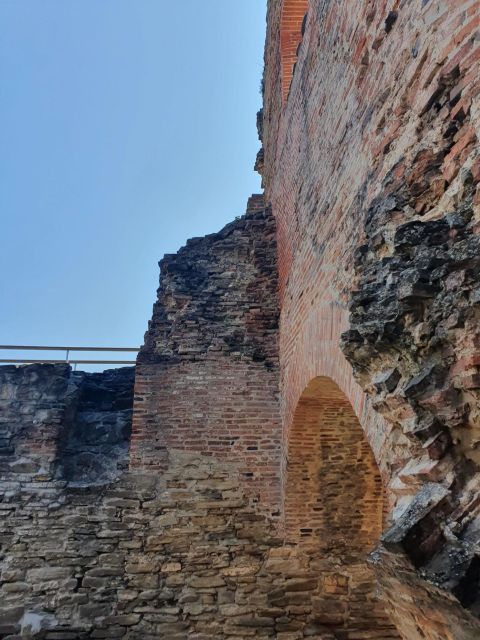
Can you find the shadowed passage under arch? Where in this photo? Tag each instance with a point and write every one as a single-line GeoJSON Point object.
{"type": "Point", "coordinates": [333, 494]}
{"type": "Point", "coordinates": [334, 512]}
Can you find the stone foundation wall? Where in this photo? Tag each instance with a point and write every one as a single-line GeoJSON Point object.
{"type": "Point", "coordinates": [184, 555]}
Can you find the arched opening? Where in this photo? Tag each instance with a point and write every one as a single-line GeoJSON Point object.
{"type": "Point", "coordinates": [293, 13]}
{"type": "Point", "coordinates": [332, 481]}
{"type": "Point", "coordinates": [334, 509]}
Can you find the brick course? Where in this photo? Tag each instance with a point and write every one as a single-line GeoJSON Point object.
{"type": "Point", "coordinates": [214, 335]}
{"type": "Point", "coordinates": [383, 100]}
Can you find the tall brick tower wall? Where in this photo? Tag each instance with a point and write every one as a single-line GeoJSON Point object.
{"type": "Point", "coordinates": [370, 163]}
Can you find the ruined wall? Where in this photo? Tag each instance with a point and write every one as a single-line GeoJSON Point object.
{"type": "Point", "coordinates": [189, 543]}
{"type": "Point", "coordinates": [33, 407]}
{"type": "Point", "coordinates": [182, 553]}
{"type": "Point", "coordinates": [266, 459]}
{"type": "Point", "coordinates": [185, 555]}
{"type": "Point", "coordinates": [370, 163]}
{"type": "Point", "coordinates": [56, 423]}
{"type": "Point", "coordinates": [65, 437]}
{"type": "Point", "coordinates": [207, 375]}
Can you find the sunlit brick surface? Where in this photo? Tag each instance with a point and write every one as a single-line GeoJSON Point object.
{"type": "Point", "coordinates": [293, 13]}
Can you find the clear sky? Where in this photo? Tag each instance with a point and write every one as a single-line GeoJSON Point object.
{"type": "Point", "coordinates": [126, 127]}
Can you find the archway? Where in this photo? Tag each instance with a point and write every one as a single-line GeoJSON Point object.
{"type": "Point", "coordinates": [332, 482]}
{"type": "Point", "coordinates": [334, 509]}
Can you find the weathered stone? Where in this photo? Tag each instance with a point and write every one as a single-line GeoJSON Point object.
{"type": "Point", "coordinates": [46, 574]}
{"type": "Point", "coordinates": [206, 582]}
{"type": "Point", "coordinates": [111, 632]}
{"type": "Point", "coordinates": [171, 567]}
{"type": "Point", "coordinates": [126, 620]}
{"type": "Point", "coordinates": [257, 621]}
{"type": "Point", "coordinates": [429, 496]}
{"type": "Point", "coordinates": [103, 572]}
{"type": "Point", "coordinates": [15, 587]}
{"type": "Point", "coordinates": [92, 611]}
{"type": "Point", "coordinates": [301, 585]}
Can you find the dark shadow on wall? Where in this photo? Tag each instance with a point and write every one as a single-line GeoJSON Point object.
{"type": "Point", "coordinates": [94, 442]}
{"type": "Point", "coordinates": [59, 425]}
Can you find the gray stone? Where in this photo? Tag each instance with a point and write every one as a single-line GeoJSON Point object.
{"type": "Point", "coordinates": [426, 499]}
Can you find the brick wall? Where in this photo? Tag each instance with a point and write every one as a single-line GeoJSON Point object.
{"type": "Point", "coordinates": [293, 13]}
{"type": "Point", "coordinates": [376, 131]}
{"type": "Point", "coordinates": [334, 506]}
{"type": "Point", "coordinates": [207, 376]}
{"type": "Point", "coordinates": [333, 494]}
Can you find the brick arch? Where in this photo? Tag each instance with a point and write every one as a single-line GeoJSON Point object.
{"type": "Point", "coordinates": [293, 13]}
{"type": "Point", "coordinates": [333, 511]}
{"type": "Point", "coordinates": [333, 494]}
{"type": "Point", "coordinates": [315, 351]}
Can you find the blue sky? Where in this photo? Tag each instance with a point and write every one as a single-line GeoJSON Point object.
{"type": "Point", "coordinates": [127, 126]}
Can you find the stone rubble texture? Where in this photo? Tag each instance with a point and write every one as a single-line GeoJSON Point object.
{"type": "Point", "coordinates": [304, 448]}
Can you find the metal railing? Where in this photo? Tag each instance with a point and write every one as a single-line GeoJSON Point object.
{"type": "Point", "coordinates": [67, 358]}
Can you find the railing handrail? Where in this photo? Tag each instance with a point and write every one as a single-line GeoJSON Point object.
{"type": "Point", "coordinates": [26, 361]}
{"type": "Point", "coordinates": [39, 348]}
{"type": "Point", "coordinates": [67, 350]}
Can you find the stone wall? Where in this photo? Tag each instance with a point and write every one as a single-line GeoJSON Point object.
{"type": "Point", "coordinates": [59, 424]}
{"type": "Point", "coordinates": [89, 550]}
{"type": "Point", "coordinates": [94, 443]}
{"type": "Point", "coordinates": [207, 385]}
{"type": "Point", "coordinates": [33, 407]}
{"type": "Point", "coordinates": [65, 436]}
{"type": "Point", "coordinates": [370, 164]}
{"type": "Point", "coordinates": [177, 556]}
{"type": "Point", "coordinates": [188, 544]}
